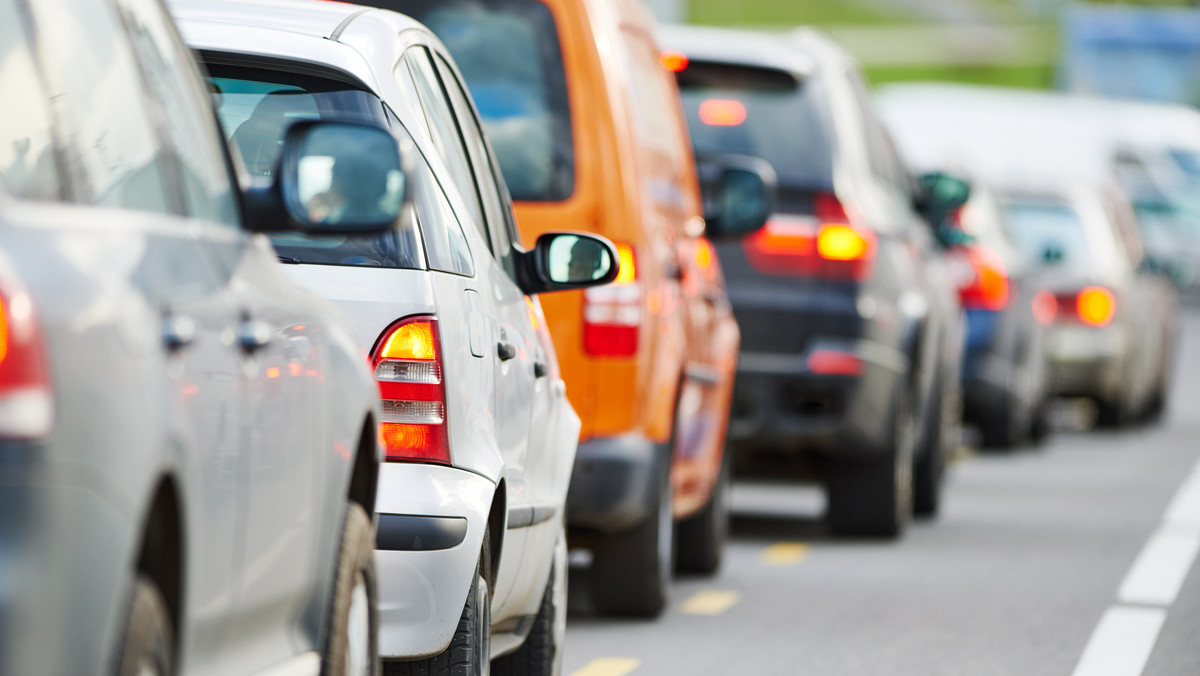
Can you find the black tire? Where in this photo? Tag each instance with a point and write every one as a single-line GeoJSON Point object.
{"type": "Point", "coordinates": [1111, 415]}
{"type": "Point", "coordinates": [1040, 426]}
{"type": "Point", "coordinates": [872, 496]}
{"type": "Point", "coordinates": [147, 640]}
{"type": "Point", "coordinates": [347, 651]}
{"type": "Point", "coordinates": [1157, 406]}
{"type": "Point", "coordinates": [631, 571]}
{"type": "Point", "coordinates": [700, 539]}
{"type": "Point", "coordinates": [469, 649]}
{"type": "Point", "coordinates": [1002, 431]}
{"type": "Point", "coordinates": [930, 466]}
{"type": "Point", "coordinates": [541, 653]}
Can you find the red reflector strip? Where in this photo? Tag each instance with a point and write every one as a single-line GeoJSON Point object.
{"type": "Point", "coordinates": [834, 363]}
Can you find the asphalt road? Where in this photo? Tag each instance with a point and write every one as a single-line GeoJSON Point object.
{"type": "Point", "coordinates": [1074, 559]}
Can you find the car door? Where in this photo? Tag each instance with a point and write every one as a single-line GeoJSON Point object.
{"type": "Point", "coordinates": [277, 423]}
{"type": "Point", "coordinates": [520, 364]}
{"type": "Point", "coordinates": [128, 162]}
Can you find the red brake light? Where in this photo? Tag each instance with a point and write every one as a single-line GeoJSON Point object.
{"type": "Point", "coordinates": [826, 245]}
{"type": "Point", "coordinates": [831, 362]}
{"type": "Point", "coordinates": [722, 112]}
{"type": "Point", "coordinates": [26, 401]}
{"type": "Point", "coordinates": [1096, 306]}
{"type": "Point", "coordinates": [408, 368]}
{"type": "Point", "coordinates": [674, 61]}
{"type": "Point", "coordinates": [1045, 307]}
{"type": "Point", "coordinates": [988, 287]}
{"type": "Point", "coordinates": [612, 315]}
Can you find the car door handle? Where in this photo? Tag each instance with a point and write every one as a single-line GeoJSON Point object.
{"type": "Point", "coordinates": [506, 350]}
{"type": "Point", "coordinates": [539, 369]}
{"type": "Point", "coordinates": [253, 335]}
{"type": "Point", "coordinates": [178, 332]}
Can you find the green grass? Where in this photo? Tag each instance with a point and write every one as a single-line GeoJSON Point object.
{"type": "Point", "coordinates": [792, 12]}
{"type": "Point", "coordinates": [1036, 76]}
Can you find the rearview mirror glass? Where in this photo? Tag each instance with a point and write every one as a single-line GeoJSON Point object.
{"type": "Point", "coordinates": [342, 177]}
{"type": "Point", "coordinates": [738, 193]}
{"type": "Point", "coordinates": [577, 259]}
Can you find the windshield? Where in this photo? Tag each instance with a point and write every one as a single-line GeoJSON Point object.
{"type": "Point", "coordinates": [760, 112]}
{"type": "Point", "coordinates": [509, 55]}
{"type": "Point", "coordinates": [256, 106]}
{"type": "Point", "coordinates": [1054, 233]}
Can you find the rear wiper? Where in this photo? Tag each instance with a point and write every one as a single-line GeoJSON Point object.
{"type": "Point", "coordinates": [289, 259]}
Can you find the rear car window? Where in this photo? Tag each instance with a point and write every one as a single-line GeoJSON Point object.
{"type": "Point", "coordinates": [509, 54]}
{"type": "Point", "coordinates": [256, 106]}
{"type": "Point", "coordinates": [762, 112]}
{"type": "Point", "coordinates": [1056, 233]}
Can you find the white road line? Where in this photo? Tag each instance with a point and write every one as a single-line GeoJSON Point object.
{"type": "Point", "coordinates": [1122, 642]}
{"type": "Point", "coordinates": [1126, 635]}
{"type": "Point", "coordinates": [1185, 507]}
{"type": "Point", "coordinates": [1161, 568]}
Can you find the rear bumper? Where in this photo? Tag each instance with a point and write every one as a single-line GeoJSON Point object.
{"type": "Point", "coordinates": [431, 525]}
{"type": "Point", "coordinates": [614, 483]}
{"type": "Point", "coordinates": [1087, 362]}
{"type": "Point", "coordinates": [781, 405]}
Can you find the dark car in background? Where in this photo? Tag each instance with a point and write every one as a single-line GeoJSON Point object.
{"type": "Point", "coordinates": [851, 328]}
{"type": "Point", "coordinates": [1113, 322]}
{"type": "Point", "coordinates": [1005, 380]}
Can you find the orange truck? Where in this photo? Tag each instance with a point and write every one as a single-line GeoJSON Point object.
{"type": "Point", "coordinates": [589, 133]}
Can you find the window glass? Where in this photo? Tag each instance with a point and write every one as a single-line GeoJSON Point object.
{"type": "Point", "coordinates": [446, 133]}
{"type": "Point", "coordinates": [761, 112]}
{"type": "Point", "coordinates": [172, 78]}
{"type": "Point", "coordinates": [28, 166]}
{"type": "Point", "coordinates": [491, 190]}
{"type": "Point", "coordinates": [112, 148]}
{"type": "Point", "coordinates": [256, 106]}
{"type": "Point", "coordinates": [509, 54]}
{"type": "Point", "coordinates": [445, 244]}
{"type": "Point", "coordinates": [1056, 232]}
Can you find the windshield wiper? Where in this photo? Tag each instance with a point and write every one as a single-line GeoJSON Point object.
{"type": "Point", "coordinates": [292, 260]}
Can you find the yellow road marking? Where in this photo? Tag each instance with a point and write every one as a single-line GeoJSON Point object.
{"type": "Point", "coordinates": [608, 666]}
{"type": "Point", "coordinates": [710, 602]}
{"type": "Point", "coordinates": [785, 553]}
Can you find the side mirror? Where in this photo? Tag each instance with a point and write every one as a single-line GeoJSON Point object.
{"type": "Point", "coordinates": [939, 194]}
{"type": "Point", "coordinates": [950, 237]}
{"type": "Point", "coordinates": [738, 193]}
{"type": "Point", "coordinates": [567, 260]}
{"type": "Point", "coordinates": [333, 178]}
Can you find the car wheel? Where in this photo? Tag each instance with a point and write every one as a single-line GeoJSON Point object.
{"type": "Point", "coordinates": [700, 539]}
{"type": "Point", "coordinates": [631, 571]}
{"type": "Point", "coordinates": [1039, 427]}
{"type": "Point", "coordinates": [351, 648]}
{"type": "Point", "coordinates": [470, 648]}
{"type": "Point", "coordinates": [541, 653]}
{"type": "Point", "coordinates": [1003, 430]}
{"type": "Point", "coordinates": [929, 468]}
{"type": "Point", "coordinates": [147, 648]}
{"type": "Point", "coordinates": [872, 496]}
{"type": "Point", "coordinates": [1111, 415]}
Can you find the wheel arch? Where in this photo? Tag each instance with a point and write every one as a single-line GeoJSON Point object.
{"type": "Point", "coordinates": [161, 550]}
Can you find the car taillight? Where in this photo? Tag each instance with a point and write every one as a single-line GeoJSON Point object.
{"type": "Point", "coordinates": [408, 369]}
{"type": "Point", "coordinates": [26, 401]}
{"type": "Point", "coordinates": [826, 245]}
{"type": "Point", "coordinates": [1045, 307]}
{"type": "Point", "coordinates": [988, 286]}
{"type": "Point", "coordinates": [612, 314]}
{"type": "Point", "coordinates": [1096, 306]}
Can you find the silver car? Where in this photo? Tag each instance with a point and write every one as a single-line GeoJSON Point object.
{"type": "Point", "coordinates": [188, 452]}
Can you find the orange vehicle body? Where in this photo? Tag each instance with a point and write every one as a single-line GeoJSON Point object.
{"type": "Point", "coordinates": [636, 184]}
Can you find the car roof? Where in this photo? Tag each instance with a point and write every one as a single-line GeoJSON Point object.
{"type": "Point", "coordinates": [296, 30]}
{"type": "Point", "coordinates": [745, 47]}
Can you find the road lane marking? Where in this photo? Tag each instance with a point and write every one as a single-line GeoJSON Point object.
{"type": "Point", "coordinates": [1185, 507]}
{"type": "Point", "coordinates": [785, 553]}
{"type": "Point", "coordinates": [1160, 570]}
{"type": "Point", "coordinates": [710, 602]}
{"type": "Point", "coordinates": [1122, 642]}
{"type": "Point", "coordinates": [608, 666]}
